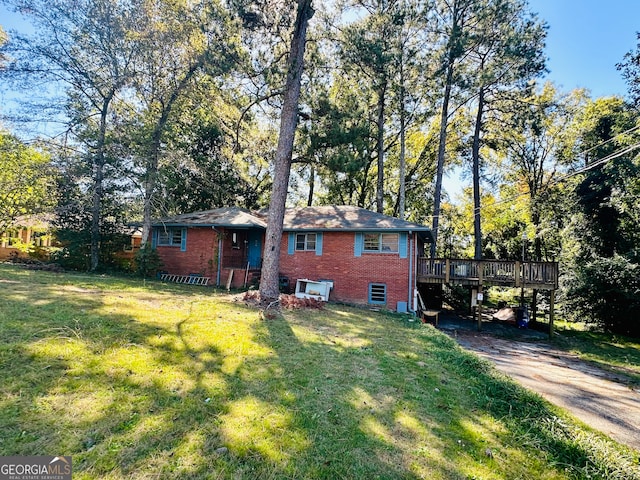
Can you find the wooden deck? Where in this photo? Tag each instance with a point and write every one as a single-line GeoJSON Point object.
{"type": "Point", "coordinates": [538, 275]}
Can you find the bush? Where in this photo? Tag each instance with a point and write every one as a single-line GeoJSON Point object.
{"type": "Point", "coordinates": [606, 292]}
{"type": "Point", "coordinates": [147, 261]}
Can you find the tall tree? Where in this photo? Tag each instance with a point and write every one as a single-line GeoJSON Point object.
{"type": "Point", "coordinates": [269, 280]}
{"type": "Point", "coordinates": [367, 49]}
{"type": "Point", "coordinates": [200, 171]}
{"type": "Point", "coordinates": [83, 45]}
{"type": "Point", "coordinates": [178, 41]}
{"type": "Point", "coordinates": [508, 53]}
{"type": "Point", "coordinates": [532, 138]}
{"type": "Point", "coordinates": [458, 18]}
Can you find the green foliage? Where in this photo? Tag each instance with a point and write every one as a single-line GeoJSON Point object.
{"type": "Point", "coordinates": [147, 261]}
{"type": "Point", "coordinates": [606, 292]}
{"type": "Point", "coordinates": [73, 222]}
{"type": "Point", "coordinates": [630, 67]}
{"type": "Point", "coordinates": [27, 180]}
{"type": "Point", "coordinates": [201, 172]}
{"type": "Point", "coordinates": [602, 285]}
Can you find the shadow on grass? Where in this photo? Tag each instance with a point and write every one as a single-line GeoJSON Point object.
{"type": "Point", "coordinates": [135, 381]}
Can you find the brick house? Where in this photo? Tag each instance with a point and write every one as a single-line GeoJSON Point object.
{"type": "Point", "coordinates": [370, 258]}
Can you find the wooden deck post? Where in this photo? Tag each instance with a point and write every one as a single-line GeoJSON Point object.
{"type": "Point", "coordinates": [551, 312]}
{"type": "Point", "coordinates": [446, 271]}
{"type": "Point", "coordinates": [480, 294]}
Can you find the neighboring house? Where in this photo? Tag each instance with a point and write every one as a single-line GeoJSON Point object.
{"type": "Point", "coordinates": [370, 258]}
{"type": "Point", "coordinates": [28, 233]}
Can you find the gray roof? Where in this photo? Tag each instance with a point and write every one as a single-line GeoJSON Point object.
{"type": "Point", "coordinates": [325, 218]}
{"type": "Point", "coordinates": [345, 218]}
{"type": "Point", "coordinates": [219, 217]}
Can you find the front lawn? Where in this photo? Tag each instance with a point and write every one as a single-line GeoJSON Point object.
{"type": "Point", "coordinates": [140, 380]}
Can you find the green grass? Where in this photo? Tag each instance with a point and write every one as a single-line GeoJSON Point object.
{"type": "Point", "coordinates": [615, 353]}
{"type": "Point", "coordinates": [148, 380]}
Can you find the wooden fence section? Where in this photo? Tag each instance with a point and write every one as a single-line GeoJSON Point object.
{"type": "Point", "coordinates": [540, 275]}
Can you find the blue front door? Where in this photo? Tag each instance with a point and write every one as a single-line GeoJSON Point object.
{"type": "Point", "coordinates": [254, 253]}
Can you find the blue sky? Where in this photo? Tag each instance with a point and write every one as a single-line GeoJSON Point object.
{"type": "Point", "coordinates": [586, 39]}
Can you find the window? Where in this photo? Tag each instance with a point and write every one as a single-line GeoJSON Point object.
{"type": "Point", "coordinates": [171, 237]}
{"type": "Point", "coordinates": [381, 242]}
{"type": "Point", "coordinates": [306, 241]}
{"type": "Point", "coordinates": [377, 293]}
{"type": "Point", "coordinates": [234, 241]}
{"type": "Point", "coordinates": [14, 238]}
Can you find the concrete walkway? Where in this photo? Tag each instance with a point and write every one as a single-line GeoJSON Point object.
{"type": "Point", "coordinates": [601, 399]}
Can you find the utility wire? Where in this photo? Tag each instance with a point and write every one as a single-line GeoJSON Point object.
{"type": "Point", "coordinates": [562, 178]}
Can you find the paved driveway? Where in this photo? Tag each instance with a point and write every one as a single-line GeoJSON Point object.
{"type": "Point", "coordinates": [600, 399]}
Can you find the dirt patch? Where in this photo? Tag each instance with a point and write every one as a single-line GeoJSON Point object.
{"type": "Point", "coordinates": [604, 400]}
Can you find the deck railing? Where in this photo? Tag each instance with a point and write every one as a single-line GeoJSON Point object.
{"type": "Point", "coordinates": [488, 272]}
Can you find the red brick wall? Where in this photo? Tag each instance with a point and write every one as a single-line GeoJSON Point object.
{"type": "Point", "coordinates": [200, 257]}
{"type": "Point", "coordinates": [351, 275]}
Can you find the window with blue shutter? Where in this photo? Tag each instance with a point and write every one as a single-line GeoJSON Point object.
{"type": "Point", "coordinates": [170, 237]}
{"type": "Point", "coordinates": [376, 242]}
{"type": "Point", "coordinates": [305, 242]}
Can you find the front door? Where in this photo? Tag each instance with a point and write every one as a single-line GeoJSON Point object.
{"type": "Point", "coordinates": [254, 248]}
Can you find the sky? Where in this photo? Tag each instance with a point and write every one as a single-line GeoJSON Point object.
{"type": "Point", "coordinates": [586, 39]}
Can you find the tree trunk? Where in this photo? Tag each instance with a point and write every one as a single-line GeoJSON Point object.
{"type": "Point", "coordinates": [444, 117]}
{"type": "Point", "coordinates": [98, 186]}
{"type": "Point", "coordinates": [475, 154]}
{"type": "Point", "coordinates": [382, 91]}
{"type": "Point", "coordinates": [403, 163]}
{"type": "Point", "coordinates": [269, 280]}
{"type": "Point", "coordinates": [312, 184]}
{"type": "Point", "coordinates": [154, 153]}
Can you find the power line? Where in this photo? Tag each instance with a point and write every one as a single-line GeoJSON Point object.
{"type": "Point", "coordinates": [596, 163]}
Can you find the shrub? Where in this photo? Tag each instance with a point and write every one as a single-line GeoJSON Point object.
{"type": "Point", "coordinates": [606, 292]}
{"type": "Point", "coordinates": [147, 261]}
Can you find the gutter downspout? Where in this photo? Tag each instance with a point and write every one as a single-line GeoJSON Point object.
{"type": "Point", "coordinates": [410, 298]}
{"type": "Point", "coordinates": [219, 255]}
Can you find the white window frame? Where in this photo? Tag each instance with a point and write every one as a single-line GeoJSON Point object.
{"type": "Point", "coordinates": [384, 243]}
{"type": "Point", "coordinates": [306, 244]}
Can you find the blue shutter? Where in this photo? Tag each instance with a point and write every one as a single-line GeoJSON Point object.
{"type": "Point", "coordinates": [183, 241]}
{"type": "Point", "coordinates": [318, 243]}
{"type": "Point", "coordinates": [402, 245]}
{"type": "Point", "coordinates": [292, 243]}
{"type": "Point", "coordinates": [154, 238]}
{"type": "Point", "coordinates": [357, 251]}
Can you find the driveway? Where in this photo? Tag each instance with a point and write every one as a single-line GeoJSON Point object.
{"type": "Point", "coordinates": [601, 399]}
